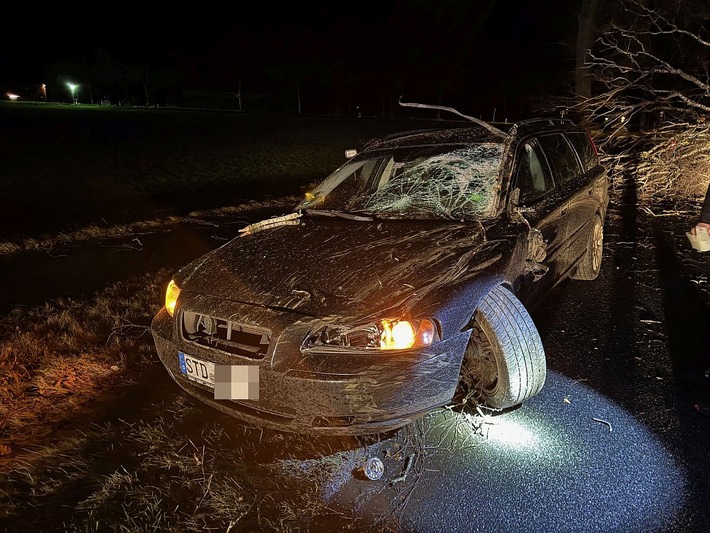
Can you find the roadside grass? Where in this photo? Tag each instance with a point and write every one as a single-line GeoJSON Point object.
{"type": "Point", "coordinates": [57, 358]}
{"type": "Point", "coordinates": [167, 472]}
{"type": "Point", "coordinates": [177, 467]}
{"type": "Point", "coordinates": [73, 167]}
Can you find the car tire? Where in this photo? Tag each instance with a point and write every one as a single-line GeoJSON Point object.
{"type": "Point", "coordinates": [591, 263]}
{"type": "Point", "coordinates": [504, 364]}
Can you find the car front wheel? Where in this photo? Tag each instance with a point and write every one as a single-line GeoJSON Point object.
{"type": "Point", "coordinates": [504, 364]}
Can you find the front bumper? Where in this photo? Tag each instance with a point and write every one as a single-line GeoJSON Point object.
{"type": "Point", "coordinates": [328, 394]}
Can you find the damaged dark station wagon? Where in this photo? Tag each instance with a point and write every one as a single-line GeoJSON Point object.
{"type": "Point", "coordinates": [403, 282]}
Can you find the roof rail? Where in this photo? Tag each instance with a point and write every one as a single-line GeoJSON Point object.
{"type": "Point", "coordinates": [550, 120]}
{"type": "Point", "coordinates": [398, 134]}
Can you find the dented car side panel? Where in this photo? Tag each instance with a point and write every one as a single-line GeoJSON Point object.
{"type": "Point", "coordinates": [426, 257]}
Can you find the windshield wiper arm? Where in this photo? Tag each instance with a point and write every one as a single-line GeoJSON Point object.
{"type": "Point", "coordinates": [338, 214]}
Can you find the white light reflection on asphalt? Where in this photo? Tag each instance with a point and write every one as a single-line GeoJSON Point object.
{"type": "Point", "coordinates": [548, 466]}
{"type": "Point", "coordinates": [553, 464]}
{"type": "Point", "coordinates": [507, 432]}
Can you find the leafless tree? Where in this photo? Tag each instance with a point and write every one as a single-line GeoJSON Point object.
{"type": "Point", "coordinates": [644, 89]}
{"type": "Point", "coordinates": [585, 37]}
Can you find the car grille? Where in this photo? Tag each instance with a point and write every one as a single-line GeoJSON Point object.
{"type": "Point", "coordinates": [230, 337]}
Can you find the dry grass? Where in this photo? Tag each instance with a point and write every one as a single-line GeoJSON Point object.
{"type": "Point", "coordinates": [59, 357]}
{"type": "Point", "coordinates": [177, 468]}
{"type": "Point", "coordinates": [171, 471]}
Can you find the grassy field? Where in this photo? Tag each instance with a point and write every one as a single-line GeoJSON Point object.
{"type": "Point", "coordinates": [68, 167]}
{"type": "Point", "coordinates": [73, 174]}
{"type": "Point", "coordinates": [82, 173]}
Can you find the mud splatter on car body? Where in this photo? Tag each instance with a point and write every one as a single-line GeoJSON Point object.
{"type": "Point", "coordinates": [443, 238]}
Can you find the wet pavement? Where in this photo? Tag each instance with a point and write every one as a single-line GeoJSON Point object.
{"type": "Point", "coordinates": [568, 460]}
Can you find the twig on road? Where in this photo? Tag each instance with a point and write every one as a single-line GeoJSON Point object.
{"type": "Point", "coordinates": [608, 424]}
{"type": "Point", "coordinates": [407, 467]}
{"type": "Point", "coordinates": [665, 213]}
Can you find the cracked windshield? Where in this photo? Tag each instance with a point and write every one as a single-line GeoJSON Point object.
{"type": "Point", "coordinates": [434, 182]}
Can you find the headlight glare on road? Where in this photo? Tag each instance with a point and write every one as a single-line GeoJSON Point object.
{"type": "Point", "coordinates": [386, 334]}
{"type": "Point", "coordinates": [171, 296]}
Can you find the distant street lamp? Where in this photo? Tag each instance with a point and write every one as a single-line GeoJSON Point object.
{"type": "Point", "coordinates": [72, 88]}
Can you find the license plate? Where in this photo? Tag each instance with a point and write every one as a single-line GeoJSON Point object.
{"type": "Point", "coordinates": [196, 369]}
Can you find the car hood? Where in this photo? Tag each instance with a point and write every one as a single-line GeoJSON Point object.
{"type": "Point", "coordinates": [323, 267]}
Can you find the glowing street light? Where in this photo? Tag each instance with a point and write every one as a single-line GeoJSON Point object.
{"type": "Point", "coordinates": [72, 88]}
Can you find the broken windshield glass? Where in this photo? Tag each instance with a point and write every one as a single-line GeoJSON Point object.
{"type": "Point", "coordinates": [436, 182]}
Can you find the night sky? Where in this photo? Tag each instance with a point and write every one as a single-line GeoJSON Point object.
{"type": "Point", "coordinates": [478, 54]}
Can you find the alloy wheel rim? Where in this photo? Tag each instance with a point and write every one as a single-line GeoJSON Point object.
{"type": "Point", "coordinates": [598, 245]}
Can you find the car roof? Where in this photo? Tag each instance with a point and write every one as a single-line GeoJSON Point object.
{"type": "Point", "coordinates": [469, 133]}
{"type": "Point", "coordinates": [542, 125]}
{"type": "Point", "coordinates": [464, 134]}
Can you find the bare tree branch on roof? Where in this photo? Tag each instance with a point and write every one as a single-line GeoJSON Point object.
{"type": "Point", "coordinates": [489, 127]}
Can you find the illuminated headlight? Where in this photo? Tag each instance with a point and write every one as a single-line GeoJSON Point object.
{"type": "Point", "coordinates": [387, 334]}
{"type": "Point", "coordinates": [171, 296]}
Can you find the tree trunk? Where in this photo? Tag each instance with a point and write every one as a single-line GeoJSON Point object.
{"type": "Point", "coordinates": [585, 36]}
{"type": "Point", "coordinates": [298, 96]}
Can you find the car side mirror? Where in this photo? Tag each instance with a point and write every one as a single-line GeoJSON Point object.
{"type": "Point", "coordinates": [515, 201]}
{"type": "Point", "coordinates": [515, 196]}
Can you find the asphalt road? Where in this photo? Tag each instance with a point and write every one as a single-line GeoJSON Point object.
{"type": "Point", "coordinates": [611, 444]}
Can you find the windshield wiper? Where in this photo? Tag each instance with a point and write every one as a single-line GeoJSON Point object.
{"type": "Point", "coordinates": [338, 214]}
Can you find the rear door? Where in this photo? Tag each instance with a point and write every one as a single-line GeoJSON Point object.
{"type": "Point", "coordinates": [541, 201]}
{"type": "Point", "coordinates": [584, 183]}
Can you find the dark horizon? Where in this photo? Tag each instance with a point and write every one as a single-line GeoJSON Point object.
{"type": "Point", "coordinates": [475, 57]}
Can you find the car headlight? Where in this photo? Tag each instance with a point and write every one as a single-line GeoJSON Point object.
{"type": "Point", "coordinates": [171, 296]}
{"type": "Point", "coordinates": [386, 334]}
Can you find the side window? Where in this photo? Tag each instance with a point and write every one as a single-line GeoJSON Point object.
{"type": "Point", "coordinates": [533, 178]}
{"type": "Point", "coordinates": [583, 144]}
{"type": "Point", "coordinates": [562, 158]}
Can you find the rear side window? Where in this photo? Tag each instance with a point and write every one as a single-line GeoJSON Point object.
{"type": "Point", "coordinates": [583, 144]}
{"type": "Point", "coordinates": [562, 158]}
